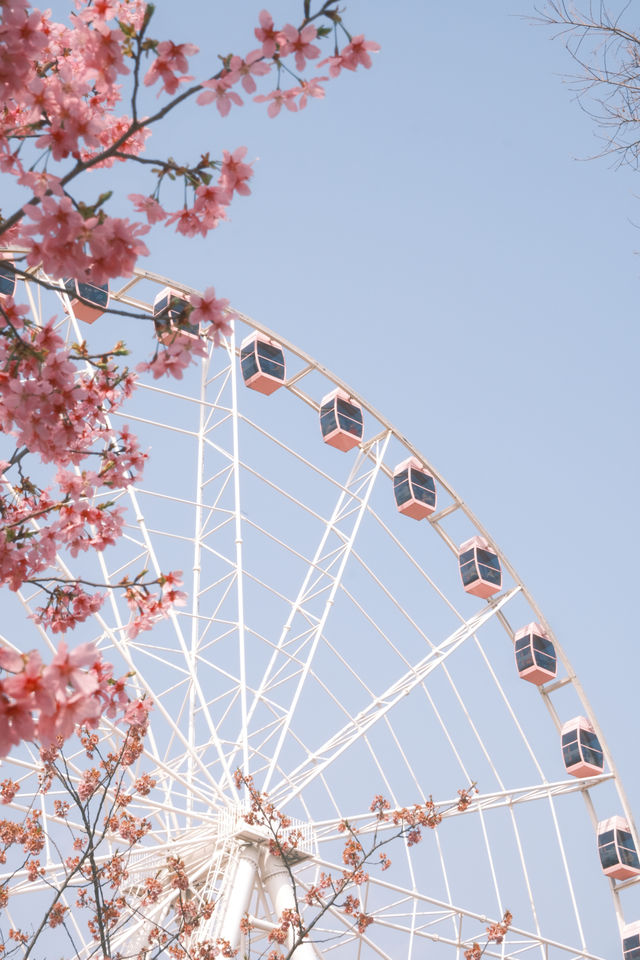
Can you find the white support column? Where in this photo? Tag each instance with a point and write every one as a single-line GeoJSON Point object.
{"type": "Point", "coordinates": [239, 896]}
{"type": "Point", "coordinates": [277, 882]}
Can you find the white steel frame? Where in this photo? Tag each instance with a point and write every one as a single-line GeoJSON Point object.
{"type": "Point", "coordinates": [196, 810]}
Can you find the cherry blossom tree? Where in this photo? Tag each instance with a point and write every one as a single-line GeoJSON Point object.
{"type": "Point", "coordinates": [131, 911]}
{"type": "Point", "coordinates": [78, 98]}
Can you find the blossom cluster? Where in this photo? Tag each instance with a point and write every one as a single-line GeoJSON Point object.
{"type": "Point", "coordinates": [48, 702]}
{"type": "Point", "coordinates": [72, 103]}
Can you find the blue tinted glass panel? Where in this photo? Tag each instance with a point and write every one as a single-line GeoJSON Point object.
{"type": "Point", "coordinates": [524, 657]}
{"type": "Point", "coordinates": [248, 364]}
{"type": "Point", "coordinates": [423, 487]}
{"type": "Point", "coordinates": [328, 422]}
{"type": "Point", "coordinates": [590, 740]}
{"type": "Point", "coordinates": [631, 947]}
{"type": "Point", "coordinates": [571, 754]}
{"type": "Point", "coordinates": [270, 359]}
{"type": "Point", "coordinates": [631, 943]}
{"type": "Point", "coordinates": [544, 645]}
{"type": "Point", "coordinates": [349, 425]}
{"type": "Point", "coordinates": [569, 737]}
{"type": "Point", "coordinates": [629, 857]}
{"type": "Point", "coordinates": [488, 558]}
{"type": "Point", "coordinates": [545, 653]}
{"type": "Point", "coordinates": [593, 757]}
{"type": "Point", "coordinates": [401, 488]}
{"type": "Point", "coordinates": [624, 838]}
{"type": "Point", "coordinates": [160, 306]}
{"type": "Point", "coordinates": [468, 573]}
{"type": "Point", "coordinates": [547, 663]}
{"type": "Point", "coordinates": [467, 556]}
{"type": "Point", "coordinates": [490, 574]}
{"type": "Point", "coordinates": [350, 410]}
{"type": "Point", "coordinates": [608, 855]}
{"type": "Point", "coordinates": [98, 295]}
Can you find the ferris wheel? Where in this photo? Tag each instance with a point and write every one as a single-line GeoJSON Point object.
{"type": "Point", "coordinates": [351, 630]}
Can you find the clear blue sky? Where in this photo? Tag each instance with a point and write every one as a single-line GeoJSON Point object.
{"type": "Point", "coordinates": [431, 233]}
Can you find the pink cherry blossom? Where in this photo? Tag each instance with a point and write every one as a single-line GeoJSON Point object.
{"type": "Point", "coordinates": [350, 57]}
{"type": "Point", "coordinates": [235, 173]}
{"type": "Point", "coordinates": [208, 310]}
{"type": "Point", "coordinates": [279, 98]}
{"type": "Point", "coordinates": [299, 42]}
{"type": "Point", "coordinates": [171, 58]}
{"type": "Point", "coordinates": [150, 207]}
{"type": "Point", "coordinates": [219, 90]}
{"type": "Point", "coordinates": [243, 69]}
{"type": "Point", "coordinates": [266, 34]}
{"type": "Point", "coordinates": [311, 88]}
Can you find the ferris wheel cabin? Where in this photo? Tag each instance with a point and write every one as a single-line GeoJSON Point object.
{"type": "Point", "coordinates": [170, 315]}
{"type": "Point", "coordinates": [631, 941]}
{"type": "Point", "coordinates": [262, 363]}
{"type": "Point", "coordinates": [414, 489]}
{"type": "Point", "coordinates": [618, 854]}
{"type": "Point", "coordinates": [341, 420]}
{"type": "Point", "coordinates": [536, 658]}
{"type": "Point", "coordinates": [88, 300]}
{"type": "Point", "coordinates": [479, 568]}
{"type": "Point", "coordinates": [7, 278]}
{"type": "Point", "coordinates": [581, 749]}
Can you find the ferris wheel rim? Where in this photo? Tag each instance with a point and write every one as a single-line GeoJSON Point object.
{"type": "Point", "coordinates": [366, 446]}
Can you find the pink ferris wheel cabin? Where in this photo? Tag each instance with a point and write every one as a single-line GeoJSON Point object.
{"type": "Point", "coordinates": [479, 568]}
{"type": "Point", "coordinates": [581, 749]}
{"type": "Point", "coordinates": [88, 300]}
{"type": "Point", "coordinates": [341, 420]}
{"type": "Point", "coordinates": [618, 854]}
{"type": "Point", "coordinates": [631, 941]}
{"type": "Point", "coordinates": [414, 489]}
{"type": "Point", "coordinates": [170, 315]}
{"type": "Point", "coordinates": [536, 658]}
{"type": "Point", "coordinates": [262, 363]}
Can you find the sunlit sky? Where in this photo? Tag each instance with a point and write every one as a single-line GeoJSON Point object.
{"type": "Point", "coordinates": [435, 234]}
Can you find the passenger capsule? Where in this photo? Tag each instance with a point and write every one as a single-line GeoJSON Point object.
{"type": "Point", "coordinates": [414, 489]}
{"type": "Point", "coordinates": [479, 568]}
{"type": "Point", "coordinates": [535, 654]}
{"type": "Point", "coordinates": [170, 315]}
{"type": "Point", "coordinates": [88, 300]}
{"type": "Point", "coordinates": [581, 750]}
{"type": "Point", "coordinates": [262, 363]}
{"type": "Point", "coordinates": [618, 854]}
{"type": "Point", "coordinates": [7, 278]}
{"type": "Point", "coordinates": [631, 941]}
{"type": "Point", "coordinates": [341, 420]}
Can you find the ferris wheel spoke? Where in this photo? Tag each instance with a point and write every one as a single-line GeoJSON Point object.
{"type": "Point", "coordinates": [325, 754]}
{"type": "Point", "coordinates": [337, 580]}
{"type": "Point", "coordinates": [324, 558]}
